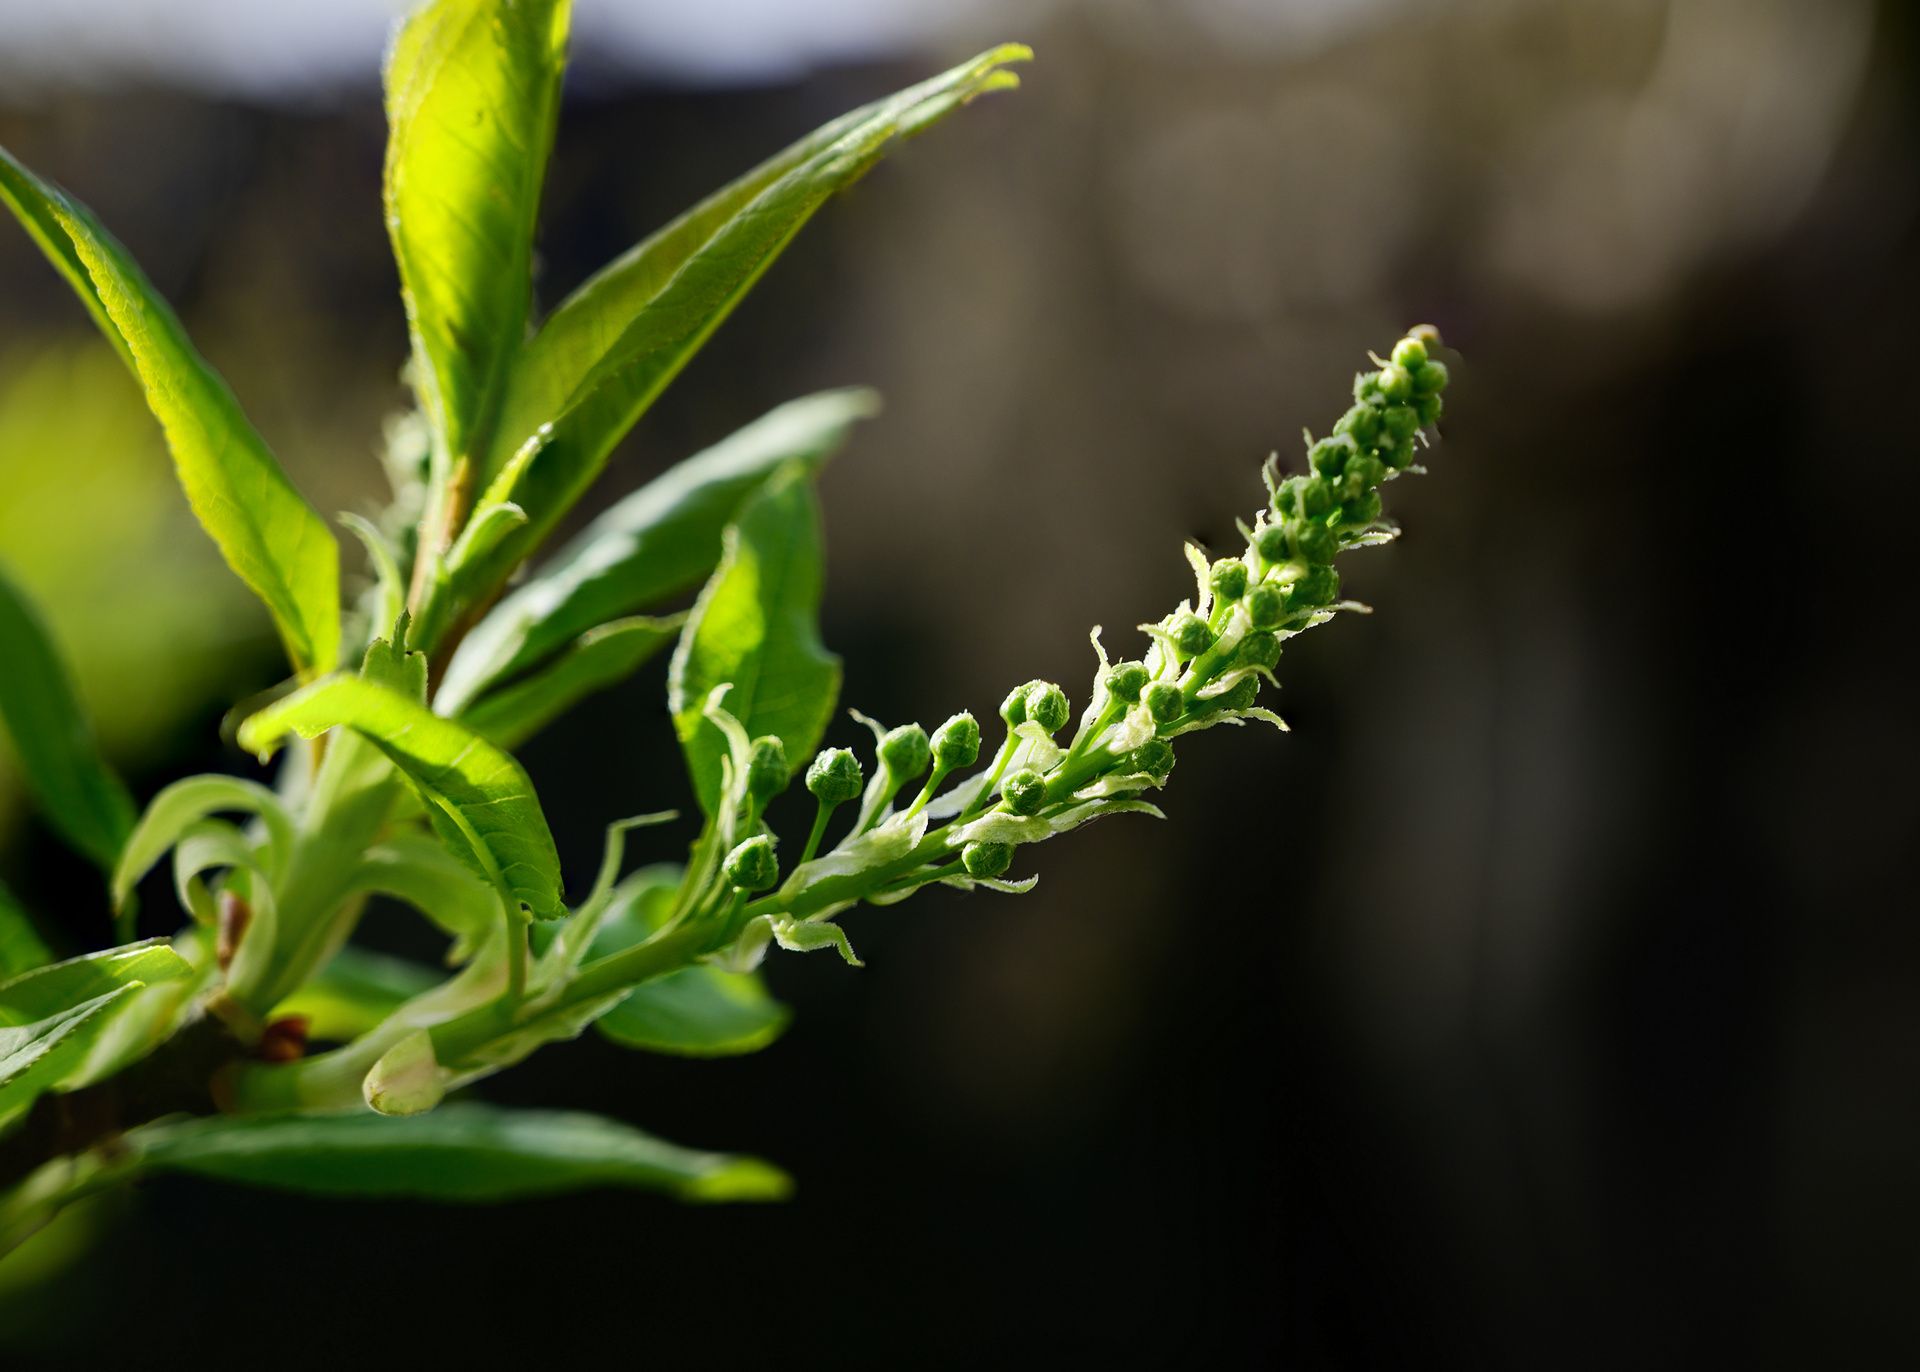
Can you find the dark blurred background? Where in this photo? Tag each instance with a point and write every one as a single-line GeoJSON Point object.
{"type": "Point", "coordinates": [1550, 997]}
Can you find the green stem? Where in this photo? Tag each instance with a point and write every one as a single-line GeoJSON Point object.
{"type": "Point", "coordinates": [822, 813]}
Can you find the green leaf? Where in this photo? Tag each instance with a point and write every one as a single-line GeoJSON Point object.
{"type": "Point", "coordinates": [355, 992]}
{"type": "Point", "coordinates": [460, 1152]}
{"type": "Point", "coordinates": [610, 349]}
{"type": "Point", "coordinates": [417, 868]}
{"type": "Point", "coordinates": [661, 539]}
{"type": "Point", "coordinates": [473, 87]}
{"type": "Point", "coordinates": [82, 797]}
{"type": "Point", "coordinates": [755, 628]}
{"type": "Point", "coordinates": [48, 991]}
{"type": "Point", "coordinates": [183, 805]}
{"type": "Point", "coordinates": [37, 1057]}
{"type": "Point", "coordinates": [597, 659]}
{"type": "Point", "coordinates": [699, 1011]}
{"type": "Point", "coordinates": [479, 799]}
{"type": "Point", "coordinates": [271, 537]}
{"type": "Point", "coordinates": [21, 947]}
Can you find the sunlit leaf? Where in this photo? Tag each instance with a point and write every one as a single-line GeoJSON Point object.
{"type": "Point", "coordinates": [460, 1152]}
{"type": "Point", "coordinates": [597, 659]}
{"type": "Point", "coordinates": [479, 799]}
{"type": "Point", "coordinates": [37, 1057]}
{"type": "Point", "coordinates": [662, 539]}
{"type": "Point", "coordinates": [48, 991]}
{"type": "Point", "coordinates": [472, 91]}
{"type": "Point", "coordinates": [755, 629]}
{"type": "Point", "coordinates": [268, 534]}
{"type": "Point", "coordinates": [180, 807]}
{"type": "Point", "coordinates": [601, 359]}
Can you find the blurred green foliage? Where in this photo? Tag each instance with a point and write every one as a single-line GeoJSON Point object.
{"type": "Point", "coordinates": [94, 527]}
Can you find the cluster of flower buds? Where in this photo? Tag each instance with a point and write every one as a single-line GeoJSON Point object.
{"type": "Point", "coordinates": [1204, 666]}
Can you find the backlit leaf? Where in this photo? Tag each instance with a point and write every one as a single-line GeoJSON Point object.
{"type": "Point", "coordinates": [479, 799]}
{"type": "Point", "coordinates": [472, 91]}
{"type": "Point", "coordinates": [755, 629]}
{"type": "Point", "coordinates": [48, 991]}
{"type": "Point", "coordinates": [604, 355]}
{"type": "Point", "coordinates": [661, 539]}
{"type": "Point", "coordinates": [268, 534]}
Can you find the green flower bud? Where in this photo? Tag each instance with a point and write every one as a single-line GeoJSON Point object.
{"type": "Point", "coordinates": [1047, 706]}
{"type": "Point", "coordinates": [1366, 388]}
{"type": "Point", "coordinates": [905, 752]}
{"type": "Point", "coordinates": [752, 866]}
{"type": "Point", "coordinates": [1259, 649]}
{"type": "Point", "coordinates": [1430, 378]}
{"type": "Point", "coordinates": [1229, 579]}
{"type": "Point", "coordinates": [1318, 587]}
{"type": "Point", "coordinates": [1164, 701]}
{"type": "Point", "coordinates": [1315, 541]}
{"type": "Point", "coordinates": [1362, 475]}
{"type": "Point", "coordinates": [1014, 708]}
{"type": "Point", "coordinates": [1155, 758]}
{"type": "Point", "coordinates": [956, 743]}
{"type": "Point", "coordinates": [1127, 680]}
{"type": "Point", "coordinates": [1191, 636]}
{"type": "Point", "coordinates": [1330, 455]}
{"type": "Point", "coordinates": [1428, 407]}
{"type": "Point", "coordinates": [835, 777]}
{"type": "Point", "coordinates": [1271, 543]}
{"type": "Point", "coordinates": [1395, 383]}
{"type": "Point", "coordinates": [986, 859]}
{"type": "Point", "coordinates": [1239, 696]}
{"type": "Point", "coordinates": [1266, 605]}
{"type": "Point", "coordinates": [767, 770]}
{"type": "Point", "coordinates": [1362, 509]}
{"type": "Point", "coordinates": [1316, 496]}
{"type": "Point", "coordinates": [1362, 422]}
{"type": "Point", "coordinates": [1024, 792]}
{"type": "Point", "coordinates": [1399, 421]}
{"type": "Point", "coordinates": [1287, 498]}
{"type": "Point", "coordinates": [1409, 352]}
{"type": "Point", "coordinates": [1399, 455]}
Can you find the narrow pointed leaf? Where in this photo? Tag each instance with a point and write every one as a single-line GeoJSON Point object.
{"type": "Point", "coordinates": [418, 869]}
{"type": "Point", "coordinates": [37, 1057]}
{"type": "Point", "coordinates": [63, 769]}
{"type": "Point", "coordinates": [180, 807]}
{"type": "Point", "coordinates": [472, 90]}
{"type": "Point", "coordinates": [601, 359]}
{"type": "Point", "coordinates": [460, 1152]}
{"type": "Point", "coordinates": [47, 991]}
{"type": "Point", "coordinates": [268, 534]}
{"type": "Point", "coordinates": [479, 799]}
{"type": "Point", "coordinates": [662, 539]}
{"type": "Point", "coordinates": [756, 630]}
{"type": "Point", "coordinates": [598, 659]}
